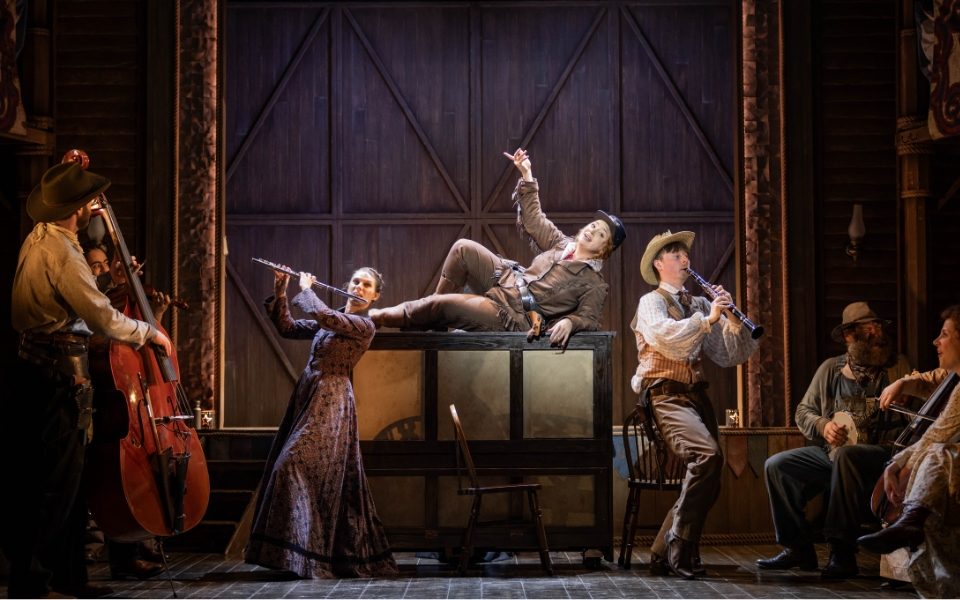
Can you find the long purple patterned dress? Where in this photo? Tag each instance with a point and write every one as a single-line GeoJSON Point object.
{"type": "Point", "coordinates": [315, 515]}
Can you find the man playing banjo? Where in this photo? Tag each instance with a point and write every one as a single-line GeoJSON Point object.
{"type": "Point", "coordinates": [839, 412]}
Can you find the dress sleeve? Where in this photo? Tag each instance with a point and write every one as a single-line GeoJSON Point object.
{"type": "Point", "coordinates": [940, 431]}
{"type": "Point", "coordinates": [353, 326]}
{"type": "Point", "coordinates": [287, 326]}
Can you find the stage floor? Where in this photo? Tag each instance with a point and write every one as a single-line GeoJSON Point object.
{"type": "Point", "coordinates": [731, 574]}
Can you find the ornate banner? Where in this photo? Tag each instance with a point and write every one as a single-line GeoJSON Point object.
{"type": "Point", "coordinates": [943, 119]}
{"type": "Point", "coordinates": [12, 114]}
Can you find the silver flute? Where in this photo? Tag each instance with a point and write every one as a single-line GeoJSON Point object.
{"type": "Point", "coordinates": [755, 330]}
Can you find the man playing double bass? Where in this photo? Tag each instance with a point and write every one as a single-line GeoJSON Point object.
{"type": "Point", "coordinates": [56, 306]}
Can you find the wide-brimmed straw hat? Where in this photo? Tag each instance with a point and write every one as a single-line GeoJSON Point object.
{"type": "Point", "coordinates": [659, 242]}
{"type": "Point", "coordinates": [62, 190]}
{"type": "Point", "coordinates": [856, 312]}
{"type": "Point", "coordinates": [618, 232]}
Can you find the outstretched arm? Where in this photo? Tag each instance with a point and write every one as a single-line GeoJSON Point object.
{"type": "Point", "coordinates": [526, 197]}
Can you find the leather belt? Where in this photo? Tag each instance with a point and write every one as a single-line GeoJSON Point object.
{"type": "Point", "coordinates": [63, 353]}
{"type": "Point", "coordinates": [526, 298]}
{"type": "Point", "coordinates": [662, 387]}
{"type": "Point", "coordinates": [59, 339]}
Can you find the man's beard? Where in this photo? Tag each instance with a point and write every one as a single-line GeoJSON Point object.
{"type": "Point", "coordinates": [873, 351]}
{"type": "Point", "coordinates": [84, 219]}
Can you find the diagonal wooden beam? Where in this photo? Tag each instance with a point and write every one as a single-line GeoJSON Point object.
{"type": "Point", "coordinates": [432, 284]}
{"type": "Point", "coordinates": [407, 111]}
{"type": "Point", "coordinates": [497, 246]}
{"type": "Point", "coordinates": [727, 255]}
{"type": "Point", "coordinates": [678, 98]}
{"type": "Point", "coordinates": [950, 195]}
{"type": "Point", "coordinates": [266, 327]}
{"type": "Point", "coordinates": [548, 104]}
{"type": "Point", "coordinates": [277, 90]}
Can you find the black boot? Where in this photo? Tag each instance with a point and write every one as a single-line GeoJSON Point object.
{"type": "Point", "coordinates": [906, 531]}
{"type": "Point", "coordinates": [842, 563]}
{"type": "Point", "coordinates": [680, 556]}
{"type": "Point", "coordinates": [802, 556]}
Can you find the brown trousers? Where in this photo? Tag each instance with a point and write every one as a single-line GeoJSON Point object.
{"type": "Point", "coordinates": [468, 265]}
{"type": "Point", "coordinates": [689, 428]}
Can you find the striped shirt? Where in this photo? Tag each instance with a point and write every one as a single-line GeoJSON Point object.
{"type": "Point", "coordinates": [672, 348]}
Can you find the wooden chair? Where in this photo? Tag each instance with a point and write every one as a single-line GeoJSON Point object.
{"type": "Point", "coordinates": [464, 460]}
{"type": "Point", "coordinates": [652, 467]}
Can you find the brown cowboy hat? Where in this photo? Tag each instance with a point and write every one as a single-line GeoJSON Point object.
{"type": "Point", "coordinates": [856, 312]}
{"type": "Point", "coordinates": [659, 242]}
{"type": "Point", "coordinates": [62, 190]}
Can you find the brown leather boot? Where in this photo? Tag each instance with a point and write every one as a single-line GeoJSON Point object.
{"type": "Point", "coordinates": [680, 557]}
{"type": "Point", "coordinates": [905, 531]}
{"type": "Point", "coordinates": [387, 317]}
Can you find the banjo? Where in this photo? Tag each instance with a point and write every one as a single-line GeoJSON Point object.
{"type": "Point", "coordinates": [858, 426]}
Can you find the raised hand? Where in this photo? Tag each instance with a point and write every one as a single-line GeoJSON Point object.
{"type": "Point", "coordinates": [306, 281]}
{"type": "Point", "coordinates": [521, 160]}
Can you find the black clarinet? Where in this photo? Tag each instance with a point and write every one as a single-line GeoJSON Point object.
{"type": "Point", "coordinates": [755, 330]}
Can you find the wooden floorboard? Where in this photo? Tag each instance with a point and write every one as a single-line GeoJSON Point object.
{"type": "Point", "coordinates": [731, 573]}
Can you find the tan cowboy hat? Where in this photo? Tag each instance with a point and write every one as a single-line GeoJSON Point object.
{"type": "Point", "coordinates": [658, 243]}
{"type": "Point", "coordinates": [62, 190]}
{"type": "Point", "coordinates": [856, 312]}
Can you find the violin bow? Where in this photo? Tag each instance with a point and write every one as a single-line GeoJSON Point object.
{"type": "Point", "coordinates": [319, 284]}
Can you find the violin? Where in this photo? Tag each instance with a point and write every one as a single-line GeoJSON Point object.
{"type": "Point", "coordinates": [146, 474]}
{"type": "Point", "coordinates": [120, 294]}
{"type": "Point", "coordinates": [881, 506]}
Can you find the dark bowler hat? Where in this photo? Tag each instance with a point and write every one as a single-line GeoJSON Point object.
{"type": "Point", "coordinates": [617, 229]}
{"type": "Point", "coordinates": [62, 190]}
{"type": "Point", "coordinates": [856, 312]}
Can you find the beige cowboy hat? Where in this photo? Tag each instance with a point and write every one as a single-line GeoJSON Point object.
{"type": "Point", "coordinates": [856, 312]}
{"type": "Point", "coordinates": [62, 190]}
{"type": "Point", "coordinates": [658, 243]}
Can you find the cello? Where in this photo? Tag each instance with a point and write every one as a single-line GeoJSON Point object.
{"type": "Point", "coordinates": [146, 473]}
{"type": "Point", "coordinates": [881, 506]}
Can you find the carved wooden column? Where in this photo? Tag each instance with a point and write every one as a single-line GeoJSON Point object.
{"type": "Point", "coordinates": [197, 246]}
{"type": "Point", "coordinates": [914, 149]}
{"type": "Point", "coordinates": [767, 390]}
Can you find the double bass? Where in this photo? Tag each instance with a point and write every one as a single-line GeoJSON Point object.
{"type": "Point", "coordinates": [146, 474]}
{"type": "Point", "coordinates": [881, 506]}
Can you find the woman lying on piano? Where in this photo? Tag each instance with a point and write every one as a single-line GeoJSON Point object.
{"type": "Point", "coordinates": [562, 290]}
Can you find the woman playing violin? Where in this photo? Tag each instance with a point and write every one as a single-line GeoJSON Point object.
{"type": "Point", "coordinates": [925, 478]}
{"type": "Point", "coordinates": [315, 515]}
{"type": "Point", "coordinates": [111, 280]}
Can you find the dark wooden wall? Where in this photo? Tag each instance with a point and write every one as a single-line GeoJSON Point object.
{"type": "Point", "coordinates": [372, 134]}
{"type": "Point", "coordinates": [103, 87]}
{"type": "Point", "coordinates": [854, 78]}
{"type": "Point", "coordinates": [856, 162]}
{"type": "Point", "coordinates": [100, 93]}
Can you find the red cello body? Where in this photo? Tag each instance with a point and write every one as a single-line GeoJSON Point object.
{"type": "Point", "coordinates": [146, 474]}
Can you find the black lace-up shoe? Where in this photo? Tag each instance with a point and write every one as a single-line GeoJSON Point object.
{"type": "Point", "coordinates": [803, 557]}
